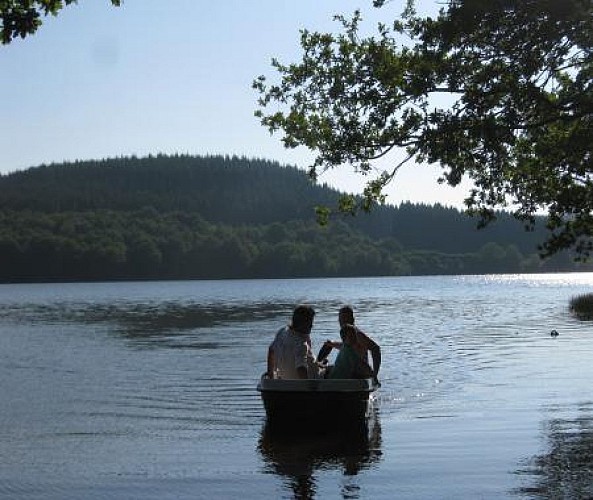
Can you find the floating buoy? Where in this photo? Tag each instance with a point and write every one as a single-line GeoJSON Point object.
{"type": "Point", "coordinates": [554, 333]}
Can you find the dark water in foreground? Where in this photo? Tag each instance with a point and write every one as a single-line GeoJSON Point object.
{"type": "Point", "coordinates": [147, 390]}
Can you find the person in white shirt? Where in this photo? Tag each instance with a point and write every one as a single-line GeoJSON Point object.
{"type": "Point", "coordinates": [290, 355]}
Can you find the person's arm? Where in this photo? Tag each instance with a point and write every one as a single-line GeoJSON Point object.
{"type": "Point", "coordinates": [271, 362]}
{"type": "Point", "coordinates": [372, 346]}
{"type": "Point", "coordinates": [376, 355]}
{"type": "Point", "coordinates": [301, 353]}
{"type": "Point", "coordinates": [326, 349]}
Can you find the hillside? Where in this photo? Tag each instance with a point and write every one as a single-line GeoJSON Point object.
{"type": "Point", "coordinates": [220, 189]}
{"type": "Point", "coordinates": [239, 191]}
{"type": "Point", "coordinates": [181, 217]}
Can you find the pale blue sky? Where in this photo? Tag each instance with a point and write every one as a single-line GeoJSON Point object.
{"type": "Point", "coordinates": [171, 76]}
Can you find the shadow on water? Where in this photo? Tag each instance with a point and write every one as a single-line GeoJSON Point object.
{"type": "Point", "coordinates": [149, 321]}
{"type": "Point", "coordinates": [157, 323]}
{"type": "Point", "coordinates": [565, 470]}
{"type": "Point", "coordinates": [170, 319]}
{"type": "Point", "coordinates": [297, 454]}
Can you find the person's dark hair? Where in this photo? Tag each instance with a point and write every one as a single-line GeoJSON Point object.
{"type": "Point", "coordinates": [348, 313]}
{"type": "Point", "coordinates": [302, 317]}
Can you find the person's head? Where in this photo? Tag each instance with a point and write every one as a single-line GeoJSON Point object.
{"type": "Point", "coordinates": [302, 319]}
{"type": "Point", "coordinates": [348, 334]}
{"type": "Point", "coordinates": [346, 316]}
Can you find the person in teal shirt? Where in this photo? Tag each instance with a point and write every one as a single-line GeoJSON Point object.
{"type": "Point", "coordinates": [349, 363]}
{"type": "Point", "coordinates": [362, 344]}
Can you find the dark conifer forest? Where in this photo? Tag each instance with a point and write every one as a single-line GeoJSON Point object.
{"type": "Point", "coordinates": [185, 217]}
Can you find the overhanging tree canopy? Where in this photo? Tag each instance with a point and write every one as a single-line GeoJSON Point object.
{"type": "Point", "coordinates": [22, 17]}
{"type": "Point", "coordinates": [516, 117]}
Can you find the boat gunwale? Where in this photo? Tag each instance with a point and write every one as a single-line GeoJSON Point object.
{"type": "Point", "coordinates": [308, 386]}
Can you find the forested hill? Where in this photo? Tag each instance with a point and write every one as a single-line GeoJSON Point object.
{"type": "Point", "coordinates": [220, 189]}
{"type": "Point", "coordinates": [182, 217]}
{"type": "Point", "coordinates": [239, 191]}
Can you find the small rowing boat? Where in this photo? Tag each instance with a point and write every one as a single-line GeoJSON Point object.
{"type": "Point", "coordinates": [339, 401]}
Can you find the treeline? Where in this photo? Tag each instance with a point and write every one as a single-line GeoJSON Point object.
{"type": "Point", "coordinates": [110, 245]}
{"type": "Point", "coordinates": [182, 217]}
{"type": "Point", "coordinates": [236, 191]}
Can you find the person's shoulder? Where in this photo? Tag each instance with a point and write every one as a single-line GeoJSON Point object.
{"type": "Point", "coordinates": [282, 331]}
{"type": "Point", "coordinates": [300, 337]}
{"type": "Point", "coordinates": [361, 334]}
{"type": "Point", "coordinates": [364, 337]}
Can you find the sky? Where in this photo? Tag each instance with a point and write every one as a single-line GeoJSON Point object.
{"type": "Point", "coordinates": [173, 76]}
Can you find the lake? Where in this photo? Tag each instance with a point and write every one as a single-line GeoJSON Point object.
{"type": "Point", "coordinates": [147, 390]}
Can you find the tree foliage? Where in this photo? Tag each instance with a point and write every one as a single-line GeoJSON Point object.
{"type": "Point", "coordinates": [21, 18]}
{"type": "Point", "coordinates": [146, 244]}
{"type": "Point", "coordinates": [182, 217]}
{"type": "Point", "coordinates": [240, 191]}
{"type": "Point", "coordinates": [499, 91]}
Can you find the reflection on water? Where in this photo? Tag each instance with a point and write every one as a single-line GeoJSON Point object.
{"type": "Point", "coordinates": [565, 470]}
{"type": "Point", "coordinates": [146, 317]}
{"type": "Point", "coordinates": [156, 323]}
{"type": "Point", "coordinates": [297, 455]}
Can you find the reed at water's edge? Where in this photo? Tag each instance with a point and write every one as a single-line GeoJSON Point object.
{"type": "Point", "coordinates": [582, 306]}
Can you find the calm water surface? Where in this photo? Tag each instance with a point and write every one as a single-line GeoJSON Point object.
{"type": "Point", "coordinates": [147, 390]}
